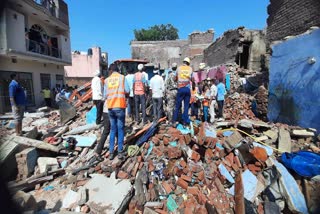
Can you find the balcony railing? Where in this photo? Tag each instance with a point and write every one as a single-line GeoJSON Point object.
{"type": "Point", "coordinates": [42, 48]}
{"type": "Point", "coordinates": [54, 10]}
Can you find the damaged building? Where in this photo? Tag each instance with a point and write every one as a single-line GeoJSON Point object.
{"type": "Point", "coordinates": [245, 47]}
{"type": "Point", "coordinates": [167, 52]}
{"type": "Point", "coordinates": [294, 96]}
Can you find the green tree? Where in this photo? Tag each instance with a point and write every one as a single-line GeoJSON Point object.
{"type": "Point", "coordinates": [157, 33]}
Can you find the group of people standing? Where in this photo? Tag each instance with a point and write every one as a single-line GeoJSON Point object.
{"type": "Point", "coordinates": [112, 94]}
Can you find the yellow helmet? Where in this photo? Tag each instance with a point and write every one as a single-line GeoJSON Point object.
{"type": "Point", "coordinates": [187, 59]}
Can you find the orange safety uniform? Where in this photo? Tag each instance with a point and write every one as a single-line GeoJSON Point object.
{"type": "Point", "coordinates": [184, 74]}
{"type": "Point", "coordinates": [115, 85]}
{"type": "Point", "coordinates": [138, 84]}
{"type": "Point", "coordinates": [194, 92]}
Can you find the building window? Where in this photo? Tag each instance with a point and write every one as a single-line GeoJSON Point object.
{"type": "Point", "coordinates": [59, 80]}
{"type": "Point", "coordinates": [45, 81]}
{"type": "Point", "coordinates": [25, 79]}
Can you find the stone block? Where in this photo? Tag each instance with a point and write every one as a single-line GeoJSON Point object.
{"type": "Point", "coordinates": [284, 140]}
{"type": "Point", "coordinates": [45, 163]}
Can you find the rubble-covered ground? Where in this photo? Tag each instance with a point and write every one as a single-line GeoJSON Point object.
{"type": "Point", "coordinates": [233, 166]}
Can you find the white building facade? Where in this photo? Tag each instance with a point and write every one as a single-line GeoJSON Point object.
{"type": "Point", "coordinates": [35, 44]}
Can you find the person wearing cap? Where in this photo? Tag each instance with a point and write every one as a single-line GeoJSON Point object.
{"type": "Point", "coordinates": [184, 77]}
{"type": "Point", "coordinates": [97, 87]}
{"type": "Point", "coordinates": [157, 89]}
{"type": "Point", "coordinates": [139, 90]}
{"type": "Point", "coordinates": [116, 89]}
{"type": "Point", "coordinates": [170, 91]}
{"type": "Point", "coordinates": [18, 102]}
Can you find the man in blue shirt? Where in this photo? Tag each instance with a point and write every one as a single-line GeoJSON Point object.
{"type": "Point", "coordinates": [129, 78]}
{"type": "Point", "coordinates": [18, 102]}
{"type": "Point", "coordinates": [221, 92]}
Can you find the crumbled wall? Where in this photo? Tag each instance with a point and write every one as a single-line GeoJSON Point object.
{"type": "Point", "coordinates": [226, 48]}
{"type": "Point", "coordinates": [291, 17]}
{"type": "Point", "coordinates": [167, 52]}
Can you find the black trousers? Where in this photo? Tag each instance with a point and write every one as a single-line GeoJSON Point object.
{"type": "Point", "coordinates": [105, 133]}
{"type": "Point", "coordinates": [99, 106]}
{"type": "Point", "coordinates": [220, 108]}
{"type": "Point", "coordinates": [131, 104]}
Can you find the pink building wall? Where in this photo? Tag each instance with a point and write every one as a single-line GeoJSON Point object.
{"type": "Point", "coordinates": [84, 65]}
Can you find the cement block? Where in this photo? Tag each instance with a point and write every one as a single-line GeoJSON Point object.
{"type": "Point", "coordinates": [107, 194]}
{"type": "Point", "coordinates": [284, 140]}
{"type": "Point", "coordinates": [30, 156]}
{"type": "Point", "coordinates": [302, 133]}
{"type": "Point", "coordinates": [45, 163]}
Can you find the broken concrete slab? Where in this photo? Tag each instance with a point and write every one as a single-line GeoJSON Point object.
{"type": "Point", "coordinates": [292, 193]}
{"type": "Point", "coordinates": [45, 164]}
{"type": "Point", "coordinates": [82, 196]}
{"type": "Point", "coordinates": [30, 142]}
{"type": "Point", "coordinates": [284, 140]}
{"type": "Point", "coordinates": [30, 132]}
{"type": "Point", "coordinates": [107, 194]}
{"type": "Point", "coordinates": [82, 129]}
{"type": "Point", "coordinates": [26, 161]}
{"type": "Point", "coordinates": [40, 122]}
{"type": "Point", "coordinates": [234, 139]}
{"type": "Point", "coordinates": [245, 123]}
{"type": "Point", "coordinates": [34, 115]}
{"type": "Point", "coordinates": [6, 149]}
{"type": "Point", "coordinates": [272, 134]}
{"type": "Point", "coordinates": [302, 133]}
{"type": "Point", "coordinates": [70, 199]}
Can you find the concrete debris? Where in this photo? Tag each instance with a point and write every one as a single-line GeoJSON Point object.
{"type": "Point", "coordinates": [208, 169]}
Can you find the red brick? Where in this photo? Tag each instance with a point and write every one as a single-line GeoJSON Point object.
{"type": "Point", "coordinates": [122, 175]}
{"type": "Point", "coordinates": [193, 191]}
{"type": "Point", "coordinates": [195, 147]}
{"type": "Point", "coordinates": [167, 187]}
{"type": "Point", "coordinates": [151, 167]}
{"type": "Point", "coordinates": [253, 168]}
{"type": "Point", "coordinates": [135, 170]}
{"type": "Point", "coordinates": [166, 141]}
{"type": "Point", "coordinates": [139, 159]}
{"type": "Point", "coordinates": [229, 158]}
{"type": "Point", "coordinates": [201, 175]}
{"type": "Point", "coordinates": [186, 178]}
{"type": "Point", "coordinates": [195, 156]}
{"type": "Point", "coordinates": [183, 164]}
{"type": "Point", "coordinates": [155, 140]}
{"type": "Point", "coordinates": [183, 184]}
{"type": "Point", "coordinates": [237, 161]}
{"type": "Point", "coordinates": [81, 183]}
{"type": "Point", "coordinates": [98, 167]}
{"type": "Point", "coordinates": [146, 145]}
{"type": "Point", "coordinates": [141, 165]}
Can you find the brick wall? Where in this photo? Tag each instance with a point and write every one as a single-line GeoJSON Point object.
{"type": "Point", "coordinates": [291, 17]}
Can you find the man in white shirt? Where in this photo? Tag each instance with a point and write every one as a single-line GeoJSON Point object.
{"type": "Point", "coordinates": [213, 90]}
{"type": "Point", "coordinates": [97, 88]}
{"type": "Point", "coordinates": [157, 89]}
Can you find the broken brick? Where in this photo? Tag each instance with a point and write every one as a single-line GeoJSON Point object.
{"type": "Point", "coordinates": [201, 175]}
{"type": "Point", "coordinates": [166, 187]}
{"type": "Point", "coordinates": [186, 178]}
{"type": "Point", "coordinates": [122, 175]}
{"type": "Point", "coordinates": [183, 164]}
{"type": "Point", "coordinates": [182, 183]}
{"type": "Point", "coordinates": [193, 191]}
{"type": "Point", "coordinates": [195, 156]}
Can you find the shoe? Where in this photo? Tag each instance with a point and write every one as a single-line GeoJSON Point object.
{"type": "Point", "coordinates": [111, 156]}
{"type": "Point", "coordinates": [122, 155]}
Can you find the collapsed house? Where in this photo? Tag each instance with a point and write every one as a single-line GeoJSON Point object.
{"type": "Point", "coordinates": [245, 47]}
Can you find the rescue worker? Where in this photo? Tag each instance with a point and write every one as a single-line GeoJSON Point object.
{"type": "Point", "coordinates": [221, 92]}
{"type": "Point", "coordinates": [170, 91]}
{"type": "Point", "coordinates": [157, 88]}
{"type": "Point", "coordinates": [184, 77]}
{"type": "Point", "coordinates": [116, 89]}
{"type": "Point", "coordinates": [139, 90]}
{"type": "Point", "coordinates": [97, 87]}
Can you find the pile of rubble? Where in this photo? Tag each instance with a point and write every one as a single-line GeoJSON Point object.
{"type": "Point", "coordinates": [228, 167]}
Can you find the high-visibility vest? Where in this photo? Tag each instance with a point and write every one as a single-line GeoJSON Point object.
{"type": "Point", "coordinates": [138, 84]}
{"type": "Point", "coordinates": [116, 97]}
{"type": "Point", "coordinates": [184, 74]}
{"type": "Point", "coordinates": [193, 95]}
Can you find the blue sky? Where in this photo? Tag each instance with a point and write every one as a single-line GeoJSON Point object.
{"type": "Point", "coordinates": [110, 23]}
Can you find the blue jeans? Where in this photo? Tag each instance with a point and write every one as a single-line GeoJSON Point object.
{"type": "Point", "coordinates": [184, 94]}
{"type": "Point", "coordinates": [117, 121]}
{"type": "Point", "coordinates": [157, 108]}
{"type": "Point", "coordinates": [206, 113]}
